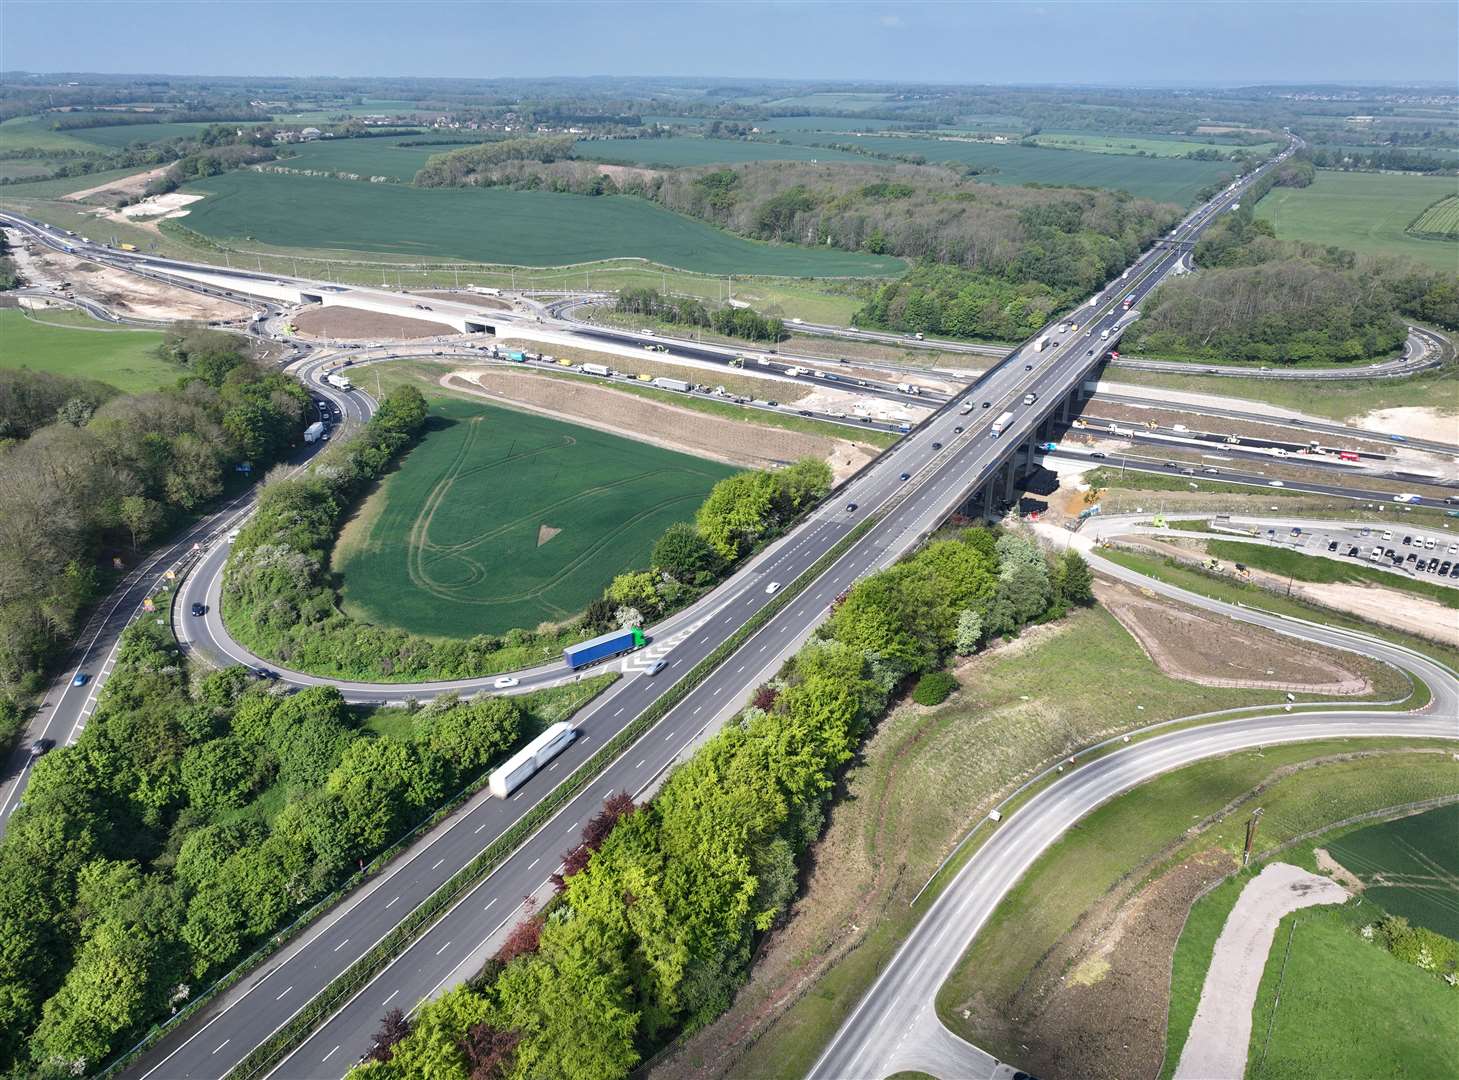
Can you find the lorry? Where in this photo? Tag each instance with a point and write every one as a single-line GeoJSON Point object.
{"type": "Point", "coordinates": [1041, 344]}
{"type": "Point", "coordinates": [1129, 301]}
{"type": "Point", "coordinates": [313, 432]}
{"type": "Point", "coordinates": [516, 356]}
{"type": "Point", "coordinates": [484, 290]}
{"type": "Point", "coordinates": [1116, 429]}
{"type": "Point", "coordinates": [597, 369]}
{"type": "Point", "coordinates": [1048, 447]}
{"type": "Point", "coordinates": [1001, 424]}
{"type": "Point", "coordinates": [1347, 455]}
{"type": "Point", "coordinates": [909, 388]}
{"type": "Point", "coordinates": [127, 247]}
{"type": "Point", "coordinates": [672, 384]}
{"type": "Point", "coordinates": [339, 382]}
{"type": "Point", "coordinates": [602, 647]}
{"type": "Point", "coordinates": [532, 758]}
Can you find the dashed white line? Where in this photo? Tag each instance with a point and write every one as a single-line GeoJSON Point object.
{"type": "Point", "coordinates": [281, 996]}
{"type": "Point", "coordinates": [222, 1044]}
{"type": "Point", "coordinates": [443, 948]}
{"type": "Point", "coordinates": [391, 998]}
{"type": "Point", "coordinates": [641, 764]}
{"type": "Point", "coordinates": [330, 1054]}
{"type": "Point", "coordinates": [438, 862]}
{"type": "Point", "coordinates": [342, 944]}
{"type": "Point", "coordinates": [489, 903]}
{"type": "Point", "coordinates": [393, 901]}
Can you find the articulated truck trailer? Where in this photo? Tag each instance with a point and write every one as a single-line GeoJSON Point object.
{"type": "Point", "coordinates": [532, 758]}
{"type": "Point", "coordinates": [602, 647]}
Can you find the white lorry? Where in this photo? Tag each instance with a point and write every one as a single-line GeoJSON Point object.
{"type": "Point", "coordinates": [597, 369]}
{"type": "Point", "coordinates": [313, 432]}
{"type": "Point", "coordinates": [521, 766]}
{"type": "Point", "coordinates": [339, 382]}
{"type": "Point", "coordinates": [672, 384]}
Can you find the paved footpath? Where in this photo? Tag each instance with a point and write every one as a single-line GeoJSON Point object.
{"type": "Point", "coordinates": [1221, 1031]}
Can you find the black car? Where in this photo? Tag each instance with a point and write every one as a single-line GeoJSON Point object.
{"type": "Point", "coordinates": [958, 430]}
{"type": "Point", "coordinates": [851, 508]}
{"type": "Point", "coordinates": [1098, 454]}
{"type": "Point", "coordinates": [987, 404]}
{"type": "Point", "coordinates": [908, 476]}
{"type": "Point", "coordinates": [199, 609]}
{"type": "Point", "coordinates": [1407, 540]}
{"type": "Point", "coordinates": [773, 404]}
{"type": "Point", "coordinates": [1170, 464]}
{"type": "Point", "coordinates": [1444, 569]}
{"type": "Point", "coordinates": [1352, 551]}
{"type": "Point", "coordinates": [40, 746]}
{"type": "Point", "coordinates": [1332, 546]}
{"type": "Point", "coordinates": [1027, 367]}
{"type": "Point", "coordinates": [805, 412]}
{"type": "Point", "coordinates": [937, 446]}
{"type": "Point", "coordinates": [265, 673]}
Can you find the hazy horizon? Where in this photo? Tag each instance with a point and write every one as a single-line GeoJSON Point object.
{"type": "Point", "coordinates": [1060, 43]}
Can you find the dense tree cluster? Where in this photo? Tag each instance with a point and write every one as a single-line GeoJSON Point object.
{"type": "Point", "coordinates": [654, 931]}
{"type": "Point", "coordinates": [461, 168]}
{"type": "Point", "coordinates": [740, 322]}
{"type": "Point", "coordinates": [1270, 301]}
{"type": "Point", "coordinates": [103, 472]}
{"type": "Point", "coordinates": [193, 817]}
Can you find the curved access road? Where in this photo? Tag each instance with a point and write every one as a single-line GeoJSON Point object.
{"type": "Point", "coordinates": [895, 1026]}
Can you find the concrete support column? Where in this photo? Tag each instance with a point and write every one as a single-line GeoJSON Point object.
{"type": "Point", "coordinates": [1064, 406]}
{"type": "Point", "coordinates": [1010, 476]}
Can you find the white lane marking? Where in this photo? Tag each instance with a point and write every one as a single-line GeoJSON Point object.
{"type": "Point", "coordinates": [533, 863]}
{"type": "Point", "coordinates": [342, 944]}
{"type": "Point", "coordinates": [443, 948]}
{"type": "Point", "coordinates": [329, 1055]}
{"type": "Point", "coordinates": [393, 901]}
{"type": "Point", "coordinates": [222, 1044]}
{"type": "Point", "coordinates": [438, 862]}
{"type": "Point", "coordinates": [489, 903]}
{"type": "Point", "coordinates": [640, 764]}
{"type": "Point", "coordinates": [281, 996]}
{"type": "Point", "coordinates": [481, 826]}
{"type": "Point", "coordinates": [391, 998]}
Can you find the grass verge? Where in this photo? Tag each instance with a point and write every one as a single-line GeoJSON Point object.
{"type": "Point", "coordinates": [1321, 569]}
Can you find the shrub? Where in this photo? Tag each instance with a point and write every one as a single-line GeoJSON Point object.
{"type": "Point", "coordinates": [934, 688]}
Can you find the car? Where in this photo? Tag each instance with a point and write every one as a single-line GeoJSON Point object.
{"type": "Point", "coordinates": [1407, 540]}
{"type": "Point", "coordinates": [937, 446]}
{"type": "Point", "coordinates": [805, 412]}
{"type": "Point", "coordinates": [1170, 464]}
{"type": "Point", "coordinates": [1097, 454]}
{"type": "Point", "coordinates": [1444, 568]}
{"type": "Point", "coordinates": [80, 679]}
{"type": "Point", "coordinates": [1275, 483]}
{"type": "Point", "coordinates": [1027, 367]}
{"type": "Point", "coordinates": [987, 404]}
{"type": "Point", "coordinates": [851, 508]}
{"type": "Point", "coordinates": [265, 673]}
{"type": "Point", "coordinates": [506, 682]}
{"type": "Point", "coordinates": [1387, 535]}
{"type": "Point", "coordinates": [773, 404]}
{"type": "Point", "coordinates": [199, 609]}
{"type": "Point", "coordinates": [1352, 551]}
{"type": "Point", "coordinates": [958, 430]}
{"type": "Point", "coordinates": [233, 535]}
{"type": "Point", "coordinates": [905, 476]}
{"type": "Point", "coordinates": [656, 667]}
{"type": "Point", "coordinates": [1452, 549]}
{"type": "Point", "coordinates": [1429, 543]}
{"type": "Point", "coordinates": [40, 746]}
{"type": "Point", "coordinates": [1211, 472]}
{"type": "Point", "coordinates": [772, 588]}
{"type": "Point", "coordinates": [1187, 472]}
{"type": "Point", "coordinates": [1332, 546]}
{"type": "Point", "coordinates": [1396, 438]}
{"type": "Point", "coordinates": [1454, 573]}
{"type": "Point", "coordinates": [1411, 557]}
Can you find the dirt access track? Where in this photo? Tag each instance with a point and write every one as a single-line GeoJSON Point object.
{"type": "Point", "coordinates": [126, 294]}
{"type": "Point", "coordinates": [356, 324]}
{"type": "Point", "coordinates": [1189, 644]}
{"type": "Point", "coordinates": [126, 186]}
{"type": "Point", "coordinates": [734, 441]}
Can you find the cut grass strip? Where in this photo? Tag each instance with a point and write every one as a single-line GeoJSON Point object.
{"type": "Point", "coordinates": [1319, 568]}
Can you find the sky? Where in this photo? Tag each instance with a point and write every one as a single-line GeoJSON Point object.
{"type": "Point", "coordinates": [1076, 41]}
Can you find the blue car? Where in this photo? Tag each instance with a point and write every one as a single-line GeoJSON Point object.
{"type": "Point", "coordinates": [80, 679]}
{"type": "Point", "coordinates": [1396, 438]}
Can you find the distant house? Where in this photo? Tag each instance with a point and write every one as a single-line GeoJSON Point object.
{"type": "Point", "coordinates": [310, 133]}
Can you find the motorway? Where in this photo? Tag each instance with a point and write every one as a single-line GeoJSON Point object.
{"type": "Point", "coordinates": [895, 1026]}
{"type": "Point", "coordinates": [942, 466]}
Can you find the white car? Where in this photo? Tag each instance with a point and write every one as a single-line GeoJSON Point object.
{"type": "Point", "coordinates": [656, 667]}
{"type": "Point", "coordinates": [772, 588]}
{"type": "Point", "coordinates": [1275, 483]}
{"type": "Point", "coordinates": [506, 682]}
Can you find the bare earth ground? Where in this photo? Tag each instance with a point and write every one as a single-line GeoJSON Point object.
{"type": "Point", "coordinates": [127, 185]}
{"type": "Point", "coordinates": [848, 404]}
{"type": "Point", "coordinates": [354, 323]}
{"type": "Point", "coordinates": [1095, 1006]}
{"type": "Point", "coordinates": [124, 293]}
{"type": "Point", "coordinates": [1388, 607]}
{"type": "Point", "coordinates": [1417, 423]}
{"type": "Point", "coordinates": [737, 442]}
{"type": "Point", "coordinates": [1188, 644]}
{"type": "Point", "coordinates": [171, 205]}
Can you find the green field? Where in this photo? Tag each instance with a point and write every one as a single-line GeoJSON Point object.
{"type": "Point", "coordinates": [458, 541]}
{"type": "Point", "coordinates": [1307, 566]}
{"type": "Point", "coordinates": [692, 151]}
{"type": "Point", "coordinates": [1339, 1006]}
{"type": "Point", "coordinates": [1165, 179]}
{"type": "Point", "coordinates": [26, 132]}
{"type": "Point", "coordinates": [1439, 221]}
{"type": "Point", "coordinates": [123, 358]}
{"type": "Point", "coordinates": [1363, 212]}
{"type": "Point", "coordinates": [367, 157]}
{"type": "Point", "coordinates": [526, 228]}
{"type": "Point", "coordinates": [117, 136]}
{"type": "Point", "coordinates": [1144, 144]}
{"type": "Point", "coordinates": [54, 189]}
{"type": "Point", "coordinates": [1417, 860]}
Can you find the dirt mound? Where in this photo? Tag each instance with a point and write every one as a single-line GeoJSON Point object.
{"type": "Point", "coordinates": [1189, 644]}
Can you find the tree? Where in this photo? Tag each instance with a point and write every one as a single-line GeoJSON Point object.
{"type": "Point", "coordinates": [394, 1026]}
{"type": "Point", "coordinates": [737, 512]}
{"type": "Point", "coordinates": [220, 774]}
{"type": "Point", "coordinates": [140, 515]}
{"type": "Point", "coordinates": [634, 590]}
{"type": "Point", "coordinates": [1076, 580]}
{"type": "Point", "coordinates": [685, 555]}
{"type": "Point", "coordinates": [969, 632]}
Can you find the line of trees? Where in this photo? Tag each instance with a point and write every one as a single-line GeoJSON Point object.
{"type": "Point", "coordinates": [461, 168]}
{"type": "Point", "coordinates": [194, 816]}
{"type": "Point", "coordinates": [659, 907]}
{"type": "Point", "coordinates": [86, 474]}
{"type": "Point", "coordinates": [1264, 300]}
{"type": "Point", "coordinates": [740, 322]}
